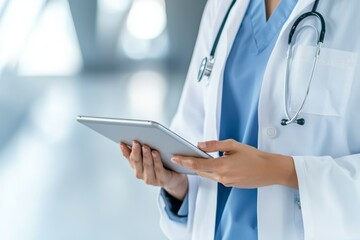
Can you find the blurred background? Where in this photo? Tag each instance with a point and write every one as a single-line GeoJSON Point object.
{"type": "Point", "coordinates": [63, 58]}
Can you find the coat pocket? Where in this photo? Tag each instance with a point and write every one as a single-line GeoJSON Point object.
{"type": "Point", "coordinates": [331, 86]}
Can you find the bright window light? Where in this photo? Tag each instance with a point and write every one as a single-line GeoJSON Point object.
{"type": "Point", "coordinates": [52, 115]}
{"type": "Point", "coordinates": [22, 188]}
{"type": "Point", "coordinates": [114, 5]}
{"type": "Point", "coordinates": [138, 49]}
{"type": "Point", "coordinates": [15, 26]}
{"type": "Point", "coordinates": [147, 19]}
{"type": "Point", "coordinates": [146, 93]}
{"type": "Point", "coordinates": [2, 4]}
{"type": "Point", "coordinates": [52, 48]}
{"type": "Point", "coordinates": [135, 48]}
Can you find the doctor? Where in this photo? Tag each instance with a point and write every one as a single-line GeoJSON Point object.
{"type": "Point", "coordinates": [276, 103]}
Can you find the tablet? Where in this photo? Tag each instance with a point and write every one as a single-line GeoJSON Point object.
{"type": "Point", "coordinates": [151, 133]}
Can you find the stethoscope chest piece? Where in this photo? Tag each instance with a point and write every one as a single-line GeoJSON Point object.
{"type": "Point", "coordinates": [205, 69]}
{"type": "Point", "coordinates": [207, 63]}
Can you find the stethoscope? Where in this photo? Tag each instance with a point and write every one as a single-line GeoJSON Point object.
{"type": "Point", "coordinates": [207, 63]}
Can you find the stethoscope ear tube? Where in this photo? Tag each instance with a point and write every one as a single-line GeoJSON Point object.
{"type": "Point", "coordinates": [309, 14]}
{"type": "Point", "coordinates": [301, 18]}
{"type": "Point", "coordinates": [320, 41]}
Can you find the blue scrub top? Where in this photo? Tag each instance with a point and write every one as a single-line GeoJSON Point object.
{"type": "Point", "coordinates": [236, 215]}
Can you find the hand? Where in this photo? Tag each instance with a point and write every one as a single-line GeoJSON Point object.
{"type": "Point", "coordinates": [148, 167]}
{"type": "Point", "coordinates": [241, 165]}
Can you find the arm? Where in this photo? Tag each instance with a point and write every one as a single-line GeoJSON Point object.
{"type": "Point", "coordinates": [148, 167]}
{"type": "Point", "coordinates": [242, 166]}
{"type": "Point", "coordinates": [329, 187]}
{"type": "Point", "coordinates": [188, 122]}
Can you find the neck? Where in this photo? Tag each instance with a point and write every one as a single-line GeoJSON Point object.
{"type": "Point", "coordinates": [270, 6]}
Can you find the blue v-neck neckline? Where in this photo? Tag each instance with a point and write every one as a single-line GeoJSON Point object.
{"type": "Point", "coordinates": [265, 31]}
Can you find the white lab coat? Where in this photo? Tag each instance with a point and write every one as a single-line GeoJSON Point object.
{"type": "Point", "coordinates": [326, 150]}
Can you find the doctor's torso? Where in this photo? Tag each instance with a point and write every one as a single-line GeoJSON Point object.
{"type": "Point", "coordinates": [331, 111]}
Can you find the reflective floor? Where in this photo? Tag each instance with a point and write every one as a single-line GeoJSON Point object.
{"type": "Point", "coordinates": [60, 180]}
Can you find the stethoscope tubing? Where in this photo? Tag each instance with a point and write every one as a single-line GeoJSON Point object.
{"type": "Point", "coordinates": [218, 35]}
{"type": "Point", "coordinates": [208, 62]}
{"type": "Point", "coordinates": [320, 41]}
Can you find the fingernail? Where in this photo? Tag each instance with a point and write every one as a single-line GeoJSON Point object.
{"type": "Point", "coordinates": [145, 149]}
{"type": "Point", "coordinates": [174, 160]}
{"type": "Point", "coordinates": [201, 144]}
{"type": "Point", "coordinates": [153, 154]}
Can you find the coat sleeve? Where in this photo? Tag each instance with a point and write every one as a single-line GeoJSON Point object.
{"type": "Point", "coordinates": [330, 196]}
{"type": "Point", "coordinates": [189, 118]}
{"type": "Point", "coordinates": [175, 229]}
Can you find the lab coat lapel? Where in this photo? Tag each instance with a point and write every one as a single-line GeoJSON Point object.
{"type": "Point", "coordinates": [214, 89]}
{"type": "Point", "coordinates": [207, 194]}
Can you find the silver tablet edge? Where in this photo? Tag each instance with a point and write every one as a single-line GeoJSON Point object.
{"type": "Point", "coordinates": [184, 141]}
{"type": "Point", "coordinates": [146, 123]}
{"type": "Point", "coordinates": [112, 120]}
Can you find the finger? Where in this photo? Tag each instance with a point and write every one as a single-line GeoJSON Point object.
{"type": "Point", "coordinates": [196, 164]}
{"type": "Point", "coordinates": [148, 164]}
{"type": "Point", "coordinates": [136, 159]}
{"type": "Point", "coordinates": [158, 165]}
{"type": "Point", "coordinates": [125, 150]}
{"type": "Point", "coordinates": [160, 171]}
{"type": "Point", "coordinates": [218, 146]}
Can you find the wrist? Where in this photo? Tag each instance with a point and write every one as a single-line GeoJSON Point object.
{"type": "Point", "coordinates": [282, 170]}
{"type": "Point", "coordinates": [178, 189]}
